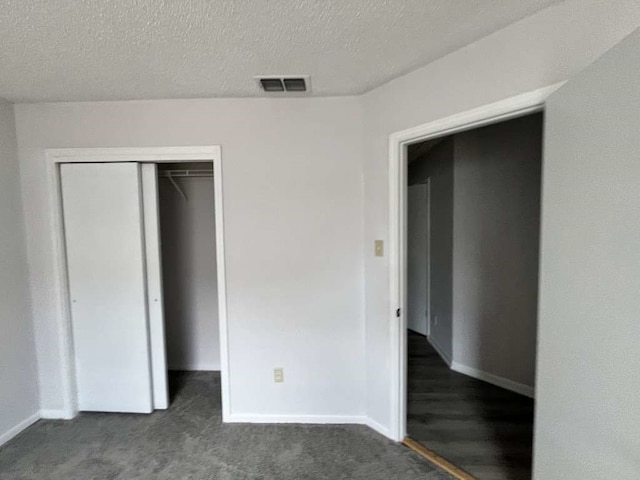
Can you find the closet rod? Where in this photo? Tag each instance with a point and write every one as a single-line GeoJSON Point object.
{"type": "Point", "coordinates": [171, 174]}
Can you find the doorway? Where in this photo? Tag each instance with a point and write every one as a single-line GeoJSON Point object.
{"type": "Point", "coordinates": [502, 110]}
{"type": "Point", "coordinates": [188, 253]}
{"type": "Point", "coordinates": [513, 107]}
{"type": "Point", "coordinates": [471, 377]}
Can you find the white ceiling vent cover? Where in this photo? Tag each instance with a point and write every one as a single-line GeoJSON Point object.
{"type": "Point", "coordinates": [291, 84]}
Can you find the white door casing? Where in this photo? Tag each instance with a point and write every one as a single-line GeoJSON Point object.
{"type": "Point", "coordinates": [502, 110]}
{"type": "Point", "coordinates": [155, 300]}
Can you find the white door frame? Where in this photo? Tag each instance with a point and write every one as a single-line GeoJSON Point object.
{"type": "Point", "coordinates": [428, 310]}
{"type": "Point", "coordinates": [54, 157]}
{"type": "Point", "coordinates": [509, 108]}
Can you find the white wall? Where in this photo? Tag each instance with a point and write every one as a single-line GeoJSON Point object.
{"type": "Point", "coordinates": [292, 172]}
{"type": "Point", "coordinates": [496, 230]}
{"type": "Point", "coordinates": [588, 407]}
{"type": "Point", "coordinates": [545, 48]}
{"type": "Point", "coordinates": [189, 274]}
{"type": "Point", "coordinates": [18, 370]}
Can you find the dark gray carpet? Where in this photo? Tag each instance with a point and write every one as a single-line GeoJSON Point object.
{"type": "Point", "coordinates": [483, 429]}
{"type": "Point", "coordinates": [188, 441]}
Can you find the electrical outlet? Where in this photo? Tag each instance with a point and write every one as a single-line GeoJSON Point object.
{"type": "Point", "coordinates": [278, 375]}
{"type": "Point", "coordinates": [379, 248]}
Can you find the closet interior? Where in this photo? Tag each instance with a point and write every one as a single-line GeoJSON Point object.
{"type": "Point", "coordinates": [141, 263]}
{"type": "Point", "coordinates": [188, 232]}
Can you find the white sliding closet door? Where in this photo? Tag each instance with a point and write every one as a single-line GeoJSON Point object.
{"type": "Point", "coordinates": [103, 223]}
{"type": "Point", "coordinates": [154, 285]}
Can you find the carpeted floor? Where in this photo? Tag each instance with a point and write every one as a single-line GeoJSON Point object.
{"type": "Point", "coordinates": [483, 429]}
{"type": "Point", "coordinates": [188, 441]}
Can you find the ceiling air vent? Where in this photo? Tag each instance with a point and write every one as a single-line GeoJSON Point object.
{"type": "Point", "coordinates": [272, 84]}
{"type": "Point", "coordinates": [284, 83]}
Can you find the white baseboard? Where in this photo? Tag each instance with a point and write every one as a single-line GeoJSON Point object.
{"type": "Point", "coordinates": [233, 418]}
{"type": "Point", "coordinates": [435, 346]}
{"type": "Point", "coordinates": [15, 430]}
{"type": "Point", "coordinates": [53, 414]}
{"type": "Point", "coordinates": [516, 387]}
{"type": "Point", "coordinates": [381, 429]}
{"type": "Point", "coordinates": [320, 419]}
{"type": "Point", "coordinates": [264, 418]}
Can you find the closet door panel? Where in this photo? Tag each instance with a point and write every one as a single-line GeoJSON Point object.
{"type": "Point", "coordinates": [154, 285]}
{"type": "Point", "coordinates": [105, 257]}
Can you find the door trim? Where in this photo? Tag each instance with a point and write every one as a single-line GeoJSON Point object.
{"type": "Point", "coordinates": [428, 310]}
{"type": "Point", "coordinates": [153, 274]}
{"type": "Point", "coordinates": [502, 110]}
{"type": "Point", "coordinates": [55, 157]}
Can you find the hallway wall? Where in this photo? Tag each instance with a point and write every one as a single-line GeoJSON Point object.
{"type": "Point", "coordinates": [485, 211]}
{"type": "Point", "coordinates": [438, 165]}
{"type": "Point", "coordinates": [417, 258]}
{"type": "Point", "coordinates": [496, 218]}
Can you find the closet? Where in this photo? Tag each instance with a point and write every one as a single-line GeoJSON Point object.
{"type": "Point", "coordinates": [189, 266]}
{"type": "Point", "coordinates": [141, 263]}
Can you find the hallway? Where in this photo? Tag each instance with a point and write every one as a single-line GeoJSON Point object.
{"type": "Point", "coordinates": [483, 429]}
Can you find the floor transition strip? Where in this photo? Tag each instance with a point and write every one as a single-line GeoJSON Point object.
{"type": "Point", "coordinates": [437, 460]}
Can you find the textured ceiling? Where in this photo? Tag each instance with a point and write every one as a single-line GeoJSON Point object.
{"type": "Point", "coordinates": [63, 50]}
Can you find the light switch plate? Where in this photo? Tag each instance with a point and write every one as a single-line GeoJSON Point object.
{"type": "Point", "coordinates": [379, 248]}
{"type": "Point", "coordinates": [278, 375]}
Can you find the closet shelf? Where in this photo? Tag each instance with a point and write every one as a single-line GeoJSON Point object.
{"type": "Point", "coordinates": [185, 173]}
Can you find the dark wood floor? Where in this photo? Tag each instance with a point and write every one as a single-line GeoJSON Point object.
{"type": "Point", "coordinates": [483, 429]}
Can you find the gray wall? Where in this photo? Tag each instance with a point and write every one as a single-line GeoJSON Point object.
{"type": "Point", "coordinates": [417, 258]}
{"type": "Point", "coordinates": [588, 406]}
{"type": "Point", "coordinates": [18, 372]}
{"type": "Point", "coordinates": [438, 165]}
{"type": "Point", "coordinates": [496, 245]}
{"type": "Point", "coordinates": [189, 274]}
